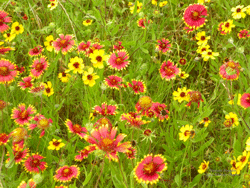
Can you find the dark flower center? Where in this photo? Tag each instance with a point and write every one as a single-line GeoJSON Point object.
{"type": "Point", "coordinates": [2, 104]}
{"type": "Point", "coordinates": [17, 28]}
{"type": "Point", "coordinates": [209, 53]}
{"type": "Point", "coordinates": [204, 166]}
{"type": "Point", "coordinates": [43, 123]}
{"type": "Point", "coordinates": [163, 45]}
{"type": "Point", "coordinates": [63, 44]}
{"type": "Point", "coordinates": [248, 99]}
{"type": "Point", "coordinates": [147, 132]}
{"type": "Point", "coordinates": [77, 128]}
{"type": "Point", "coordinates": [48, 90]}
{"type": "Point", "coordinates": [227, 24]}
{"type": "Point", "coordinates": [18, 155]}
{"type": "Point", "coordinates": [107, 144]}
{"type": "Point", "coordinates": [76, 65]}
{"type": "Point", "coordinates": [4, 71]}
{"type": "Point", "coordinates": [150, 114]}
{"type": "Point", "coordinates": [195, 96]}
{"type": "Point", "coordinates": [203, 37]}
{"type": "Point", "coordinates": [87, 21]}
{"type": "Point", "coordinates": [119, 61]}
{"type": "Point", "coordinates": [35, 163]}
{"type": "Point", "coordinates": [228, 123]}
{"type": "Point", "coordinates": [99, 58]}
{"type": "Point", "coordinates": [90, 77]}
{"type": "Point", "coordinates": [195, 15]}
{"type": "Point", "coordinates": [56, 143]}
{"type": "Point", "coordinates": [205, 119]}
{"type": "Point", "coordinates": [113, 81]}
{"type": "Point", "coordinates": [39, 67]}
{"type": "Point", "coordinates": [183, 94]}
{"type": "Point", "coordinates": [150, 168]}
{"type": "Point", "coordinates": [182, 61]}
{"type": "Point", "coordinates": [169, 71]}
{"type": "Point", "coordinates": [64, 74]}
{"type": "Point", "coordinates": [35, 50]}
{"type": "Point", "coordinates": [66, 172]}
{"type": "Point", "coordinates": [238, 10]}
{"type": "Point", "coordinates": [8, 34]}
{"type": "Point", "coordinates": [186, 133]}
{"type": "Point", "coordinates": [243, 158]}
{"type": "Point", "coordinates": [24, 114]}
{"type": "Point", "coordinates": [135, 87]}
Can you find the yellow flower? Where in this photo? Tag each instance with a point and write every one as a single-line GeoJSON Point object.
{"type": "Point", "coordinates": [233, 118]}
{"type": "Point", "coordinates": [97, 58]}
{"type": "Point", "coordinates": [203, 48]}
{"type": "Point", "coordinates": [48, 89]}
{"type": "Point", "coordinates": [87, 22]}
{"type": "Point", "coordinates": [163, 3]}
{"type": "Point", "coordinates": [186, 132]}
{"type": "Point", "coordinates": [9, 36]}
{"type": "Point", "coordinates": [89, 77]}
{"type": "Point", "coordinates": [206, 121]}
{"type": "Point", "coordinates": [203, 167]}
{"type": "Point", "coordinates": [55, 144]}
{"type": "Point", "coordinates": [76, 65]}
{"type": "Point", "coordinates": [53, 5]}
{"type": "Point", "coordinates": [154, 2]}
{"type": "Point", "coordinates": [248, 144]}
{"type": "Point", "coordinates": [17, 28]}
{"type": "Point", "coordinates": [203, 1]}
{"type": "Point", "coordinates": [48, 43]}
{"type": "Point", "coordinates": [227, 26]}
{"type": "Point", "coordinates": [209, 55]}
{"type": "Point", "coordinates": [64, 77]}
{"type": "Point", "coordinates": [243, 159]}
{"type": "Point", "coordinates": [238, 12]}
{"type": "Point", "coordinates": [235, 167]}
{"type": "Point", "coordinates": [181, 94]}
{"type": "Point", "coordinates": [139, 7]}
{"type": "Point", "coordinates": [202, 39]}
{"type": "Point", "coordinates": [248, 9]}
{"type": "Point", "coordinates": [183, 75]}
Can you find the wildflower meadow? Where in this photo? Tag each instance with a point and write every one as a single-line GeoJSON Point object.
{"type": "Point", "coordinates": [124, 94]}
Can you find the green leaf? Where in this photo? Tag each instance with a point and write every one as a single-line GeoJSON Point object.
{"type": "Point", "coordinates": [88, 177]}
{"type": "Point", "coordinates": [208, 143]}
{"type": "Point", "coordinates": [144, 50]}
{"type": "Point", "coordinates": [195, 180]}
{"type": "Point", "coordinates": [11, 162]}
{"type": "Point", "coordinates": [177, 180]}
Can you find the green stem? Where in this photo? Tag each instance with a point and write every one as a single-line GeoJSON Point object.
{"type": "Point", "coordinates": [98, 179]}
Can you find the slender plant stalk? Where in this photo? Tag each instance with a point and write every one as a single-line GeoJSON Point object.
{"type": "Point", "coordinates": [98, 179]}
{"type": "Point", "coordinates": [120, 166]}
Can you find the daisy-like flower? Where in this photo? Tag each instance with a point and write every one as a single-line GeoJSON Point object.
{"type": "Point", "coordinates": [83, 154]}
{"type": "Point", "coordinates": [183, 75]}
{"type": "Point", "coordinates": [89, 77]}
{"type": "Point", "coordinates": [186, 132]}
{"type": "Point", "coordinates": [64, 43]}
{"type": "Point", "coordinates": [118, 60]}
{"type": "Point", "coordinates": [243, 159]}
{"type": "Point", "coordinates": [4, 19]}
{"type": "Point", "coordinates": [203, 167]}
{"type": "Point", "coordinates": [21, 115]}
{"type": "Point", "coordinates": [202, 48]}
{"type": "Point", "coordinates": [203, 1]}
{"type": "Point", "coordinates": [5, 50]}
{"type": "Point", "coordinates": [133, 119]}
{"type": "Point", "coordinates": [154, 2]}
{"type": "Point", "coordinates": [163, 45]}
{"type": "Point", "coordinates": [181, 94]}
{"type": "Point", "coordinates": [107, 141]}
{"type": "Point", "coordinates": [76, 65]}
{"type": "Point", "coordinates": [4, 138]}
{"type": "Point", "coordinates": [243, 34]}
{"type": "Point", "coordinates": [118, 47]}
{"type": "Point", "coordinates": [227, 26]}
{"type": "Point", "coordinates": [206, 121]}
{"type": "Point", "coordinates": [230, 70]}
{"type": "Point", "coordinates": [149, 168]}
{"type": "Point", "coordinates": [147, 135]}
{"type": "Point", "coordinates": [138, 8]}
{"type": "Point", "coordinates": [87, 22]}
{"type": "Point", "coordinates": [97, 58]}
{"type": "Point", "coordinates": [231, 120]}
{"type": "Point", "coordinates": [64, 77]}
{"type": "Point", "coordinates": [160, 111]}
{"type": "Point", "coordinates": [7, 71]}
{"type": "Point", "coordinates": [209, 54]}
{"type": "Point", "coordinates": [201, 37]}
{"type": "Point", "coordinates": [20, 69]}
{"type": "Point", "coordinates": [163, 3]}
{"type": "Point", "coordinates": [168, 70]}
{"type": "Point", "coordinates": [37, 89]}
{"type": "Point", "coordinates": [3, 104]}
{"type": "Point", "coordinates": [194, 16]}
{"type": "Point", "coordinates": [17, 28]}
{"type": "Point", "coordinates": [131, 153]}
{"type": "Point", "coordinates": [235, 166]}
{"type": "Point", "coordinates": [101, 122]}
{"type": "Point", "coordinates": [143, 22]}
{"type": "Point", "coordinates": [19, 135]}
{"type": "Point", "coordinates": [34, 164]}
{"type": "Point", "coordinates": [53, 5]}
{"type": "Point", "coordinates": [36, 51]}
{"type": "Point", "coordinates": [67, 173]}
{"type": "Point", "coordinates": [114, 82]}
{"type": "Point", "coordinates": [238, 12]}
{"type": "Point", "coordinates": [220, 28]}
{"type": "Point", "coordinates": [84, 47]}
{"type": "Point", "coordinates": [194, 96]}
{"type": "Point", "coordinates": [42, 123]}
{"type": "Point", "coordinates": [19, 154]}
{"type": "Point", "coordinates": [144, 104]}
{"type": "Point", "coordinates": [31, 183]}
{"type": "Point", "coordinates": [248, 9]}
{"type": "Point", "coordinates": [183, 61]}
{"type": "Point", "coordinates": [76, 129]}
{"type": "Point", "coordinates": [48, 43]}
{"type": "Point", "coordinates": [245, 100]}
{"type": "Point", "coordinates": [48, 89]}
{"type": "Point", "coordinates": [55, 144]}
{"type": "Point", "coordinates": [137, 86]}
{"type": "Point", "coordinates": [247, 144]}
{"type": "Point", "coordinates": [94, 47]}
{"type": "Point", "coordinates": [9, 36]}
{"type": "Point", "coordinates": [106, 110]}
{"type": "Point", "coordinates": [38, 67]}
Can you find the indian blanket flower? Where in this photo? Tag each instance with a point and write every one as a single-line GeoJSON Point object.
{"type": "Point", "coordinates": [143, 22]}
{"type": "Point", "coordinates": [37, 89]}
{"type": "Point", "coordinates": [137, 86]}
{"type": "Point", "coordinates": [206, 121]}
{"type": "Point", "coordinates": [36, 51]}
{"type": "Point", "coordinates": [34, 163]}
{"type": "Point", "coordinates": [160, 111]}
{"type": "Point", "coordinates": [201, 37]}
{"type": "Point", "coordinates": [89, 77]}
{"type": "Point", "coordinates": [144, 104]}
{"type": "Point", "coordinates": [48, 43]}
{"type": "Point", "coordinates": [76, 65]}
{"type": "Point", "coordinates": [194, 96]}
{"type": "Point", "coordinates": [163, 45]}
{"type": "Point", "coordinates": [181, 94]}
{"type": "Point", "coordinates": [105, 139]}
{"type": "Point", "coordinates": [148, 170]}
{"type": "Point", "coordinates": [209, 54]}
{"type": "Point", "coordinates": [41, 122]}
{"type": "Point", "coordinates": [93, 47]}
{"type": "Point", "coordinates": [5, 50]}
{"type": "Point", "coordinates": [245, 100]}
{"type": "Point", "coordinates": [87, 22]}
{"type": "Point", "coordinates": [230, 70]}
{"type": "Point", "coordinates": [64, 77]}
{"type": "Point", "coordinates": [76, 128]}
{"type": "Point", "coordinates": [203, 167]}
{"type": "Point", "coordinates": [38, 67]}
{"type": "Point", "coordinates": [185, 132]}
{"type": "Point", "coordinates": [48, 89]}
{"type": "Point", "coordinates": [105, 110]}
{"type": "Point", "coordinates": [83, 154]}
{"type": "Point", "coordinates": [17, 28]}
{"type": "Point", "coordinates": [23, 115]}
{"type": "Point", "coordinates": [118, 47]}
{"type": "Point", "coordinates": [4, 19]}
{"type": "Point", "coordinates": [133, 119]}
{"type": "Point", "coordinates": [102, 121]}
{"type": "Point", "coordinates": [118, 60]}
{"type": "Point", "coordinates": [243, 34]}
{"type": "Point", "coordinates": [7, 71]}
{"type": "Point", "coordinates": [183, 61]}
{"type": "Point", "coordinates": [62, 186]}
{"type": "Point", "coordinates": [18, 135]}
{"type": "Point", "coordinates": [64, 44]}
{"type": "Point", "coordinates": [238, 12]}
{"type": "Point", "coordinates": [194, 16]}
{"type": "Point", "coordinates": [168, 70]}
{"type": "Point", "coordinates": [131, 153]}
{"type": "Point", "coordinates": [97, 58]}
{"type": "Point", "coordinates": [19, 154]}
{"type": "Point", "coordinates": [67, 173]}
{"type": "Point", "coordinates": [84, 47]}
{"type": "Point", "coordinates": [147, 135]}
{"type": "Point", "coordinates": [55, 144]}
{"type": "Point", "coordinates": [231, 120]}
{"type": "Point", "coordinates": [114, 82]}
{"type": "Point", "coordinates": [31, 183]}
{"type": "Point", "coordinates": [4, 138]}
{"type": "Point", "coordinates": [227, 26]}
